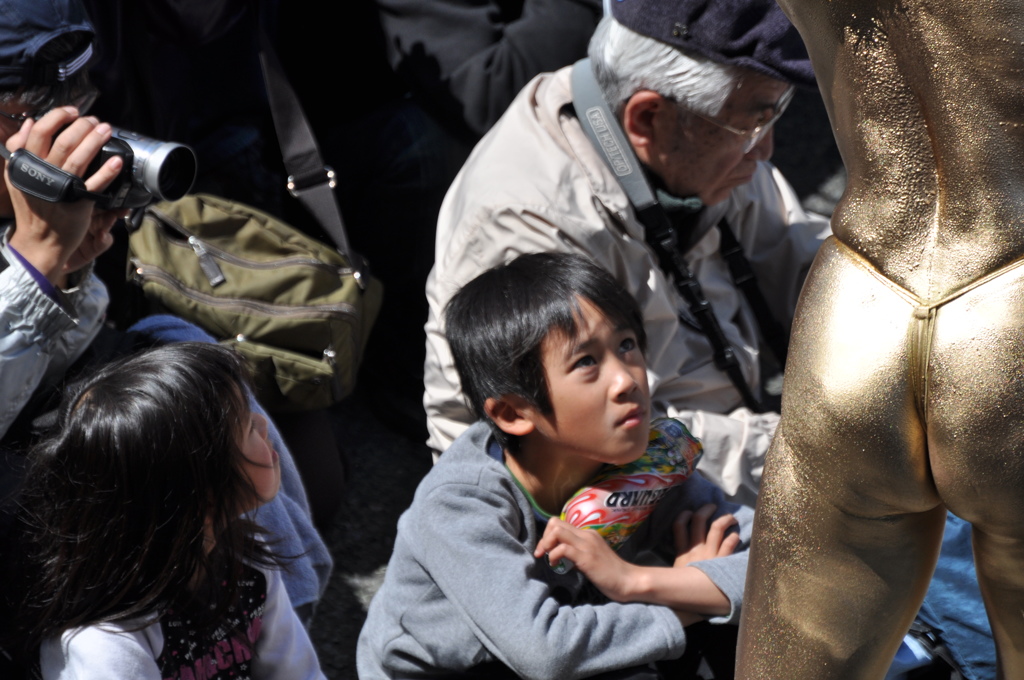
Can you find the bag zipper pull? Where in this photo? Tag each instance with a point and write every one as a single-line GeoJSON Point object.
{"type": "Point", "coordinates": [206, 262]}
{"type": "Point", "coordinates": [330, 359]}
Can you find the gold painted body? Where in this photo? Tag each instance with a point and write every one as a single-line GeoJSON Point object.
{"type": "Point", "coordinates": [905, 381]}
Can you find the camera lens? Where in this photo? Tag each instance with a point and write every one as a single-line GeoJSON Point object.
{"type": "Point", "coordinates": [176, 173]}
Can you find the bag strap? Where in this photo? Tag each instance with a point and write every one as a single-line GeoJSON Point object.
{"type": "Point", "coordinates": [309, 180]}
{"type": "Point", "coordinates": [744, 278]}
{"type": "Point", "coordinates": [607, 136]}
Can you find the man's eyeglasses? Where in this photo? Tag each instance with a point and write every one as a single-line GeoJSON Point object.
{"type": "Point", "coordinates": [756, 134]}
{"type": "Point", "coordinates": [82, 102]}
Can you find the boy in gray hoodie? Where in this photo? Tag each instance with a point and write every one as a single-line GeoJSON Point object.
{"type": "Point", "coordinates": [549, 350]}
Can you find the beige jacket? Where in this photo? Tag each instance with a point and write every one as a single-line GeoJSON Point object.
{"type": "Point", "coordinates": [535, 183]}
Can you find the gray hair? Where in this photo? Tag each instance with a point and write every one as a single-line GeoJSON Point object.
{"type": "Point", "coordinates": [626, 62]}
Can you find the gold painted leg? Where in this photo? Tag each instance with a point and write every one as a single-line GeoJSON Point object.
{"type": "Point", "coordinates": [976, 443]}
{"type": "Point", "coordinates": [849, 522]}
{"type": "Point", "coordinates": [829, 594]}
{"type": "Point", "coordinates": [1000, 564]}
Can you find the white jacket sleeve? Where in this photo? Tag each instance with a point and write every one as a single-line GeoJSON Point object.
{"type": "Point", "coordinates": [110, 652]}
{"type": "Point", "coordinates": [39, 338]}
{"type": "Point", "coordinates": [284, 650]}
{"type": "Point", "coordinates": [104, 652]}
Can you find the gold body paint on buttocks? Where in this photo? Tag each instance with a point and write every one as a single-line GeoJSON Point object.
{"type": "Point", "coordinates": [904, 390]}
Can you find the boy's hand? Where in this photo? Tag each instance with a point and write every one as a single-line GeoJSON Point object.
{"type": "Point", "coordinates": [685, 589]}
{"type": "Point", "coordinates": [696, 541]}
{"type": "Point", "coordinates": [612, 575]}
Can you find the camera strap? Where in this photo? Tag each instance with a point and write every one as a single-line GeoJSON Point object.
{"type": "Point", "coordinates": [35, 177]}
{"type": "Point", "coordinates": [605, 133]}
{"type": "Point", "coordinates": [744, 278]}
{"type": "Point", "coordinates": [309, 179]}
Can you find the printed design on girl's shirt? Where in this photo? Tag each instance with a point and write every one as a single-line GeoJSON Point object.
{"type": "Point", "coordinates": [222, 655]}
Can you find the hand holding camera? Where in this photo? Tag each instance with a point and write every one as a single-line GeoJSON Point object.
{"type": "Point", "coordinates": [62, 221]}
{"type": "Point", "coordinates": [49, 234]}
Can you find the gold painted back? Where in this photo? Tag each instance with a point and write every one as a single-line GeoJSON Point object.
{"type": "Point", "coordinates": [926, 99]}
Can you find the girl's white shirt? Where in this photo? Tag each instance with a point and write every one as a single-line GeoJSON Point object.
{"type": "Point", "coordinates": [110, 652]}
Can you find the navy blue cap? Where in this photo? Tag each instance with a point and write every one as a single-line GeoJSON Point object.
{"type": "Point", "coordinates": [27, 25]}
{"type": "Point", "coordinates": [754, 34]}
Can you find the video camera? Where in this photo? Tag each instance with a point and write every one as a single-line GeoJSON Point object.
{"type": "Point", "coordinates": [153, 171]}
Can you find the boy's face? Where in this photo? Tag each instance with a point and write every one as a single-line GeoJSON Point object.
{"type": "Point", "coordinates": [597, 384]}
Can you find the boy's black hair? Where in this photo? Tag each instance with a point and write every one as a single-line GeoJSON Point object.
{"type": "Point", "coordinates": [496, 323]}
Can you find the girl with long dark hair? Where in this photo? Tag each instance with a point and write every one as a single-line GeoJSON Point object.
{"type": "Point", "coordinates": [143, 559]}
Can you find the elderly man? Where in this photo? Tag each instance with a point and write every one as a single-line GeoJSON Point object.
{"type": "Point", "coordinates": [696, 86]}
